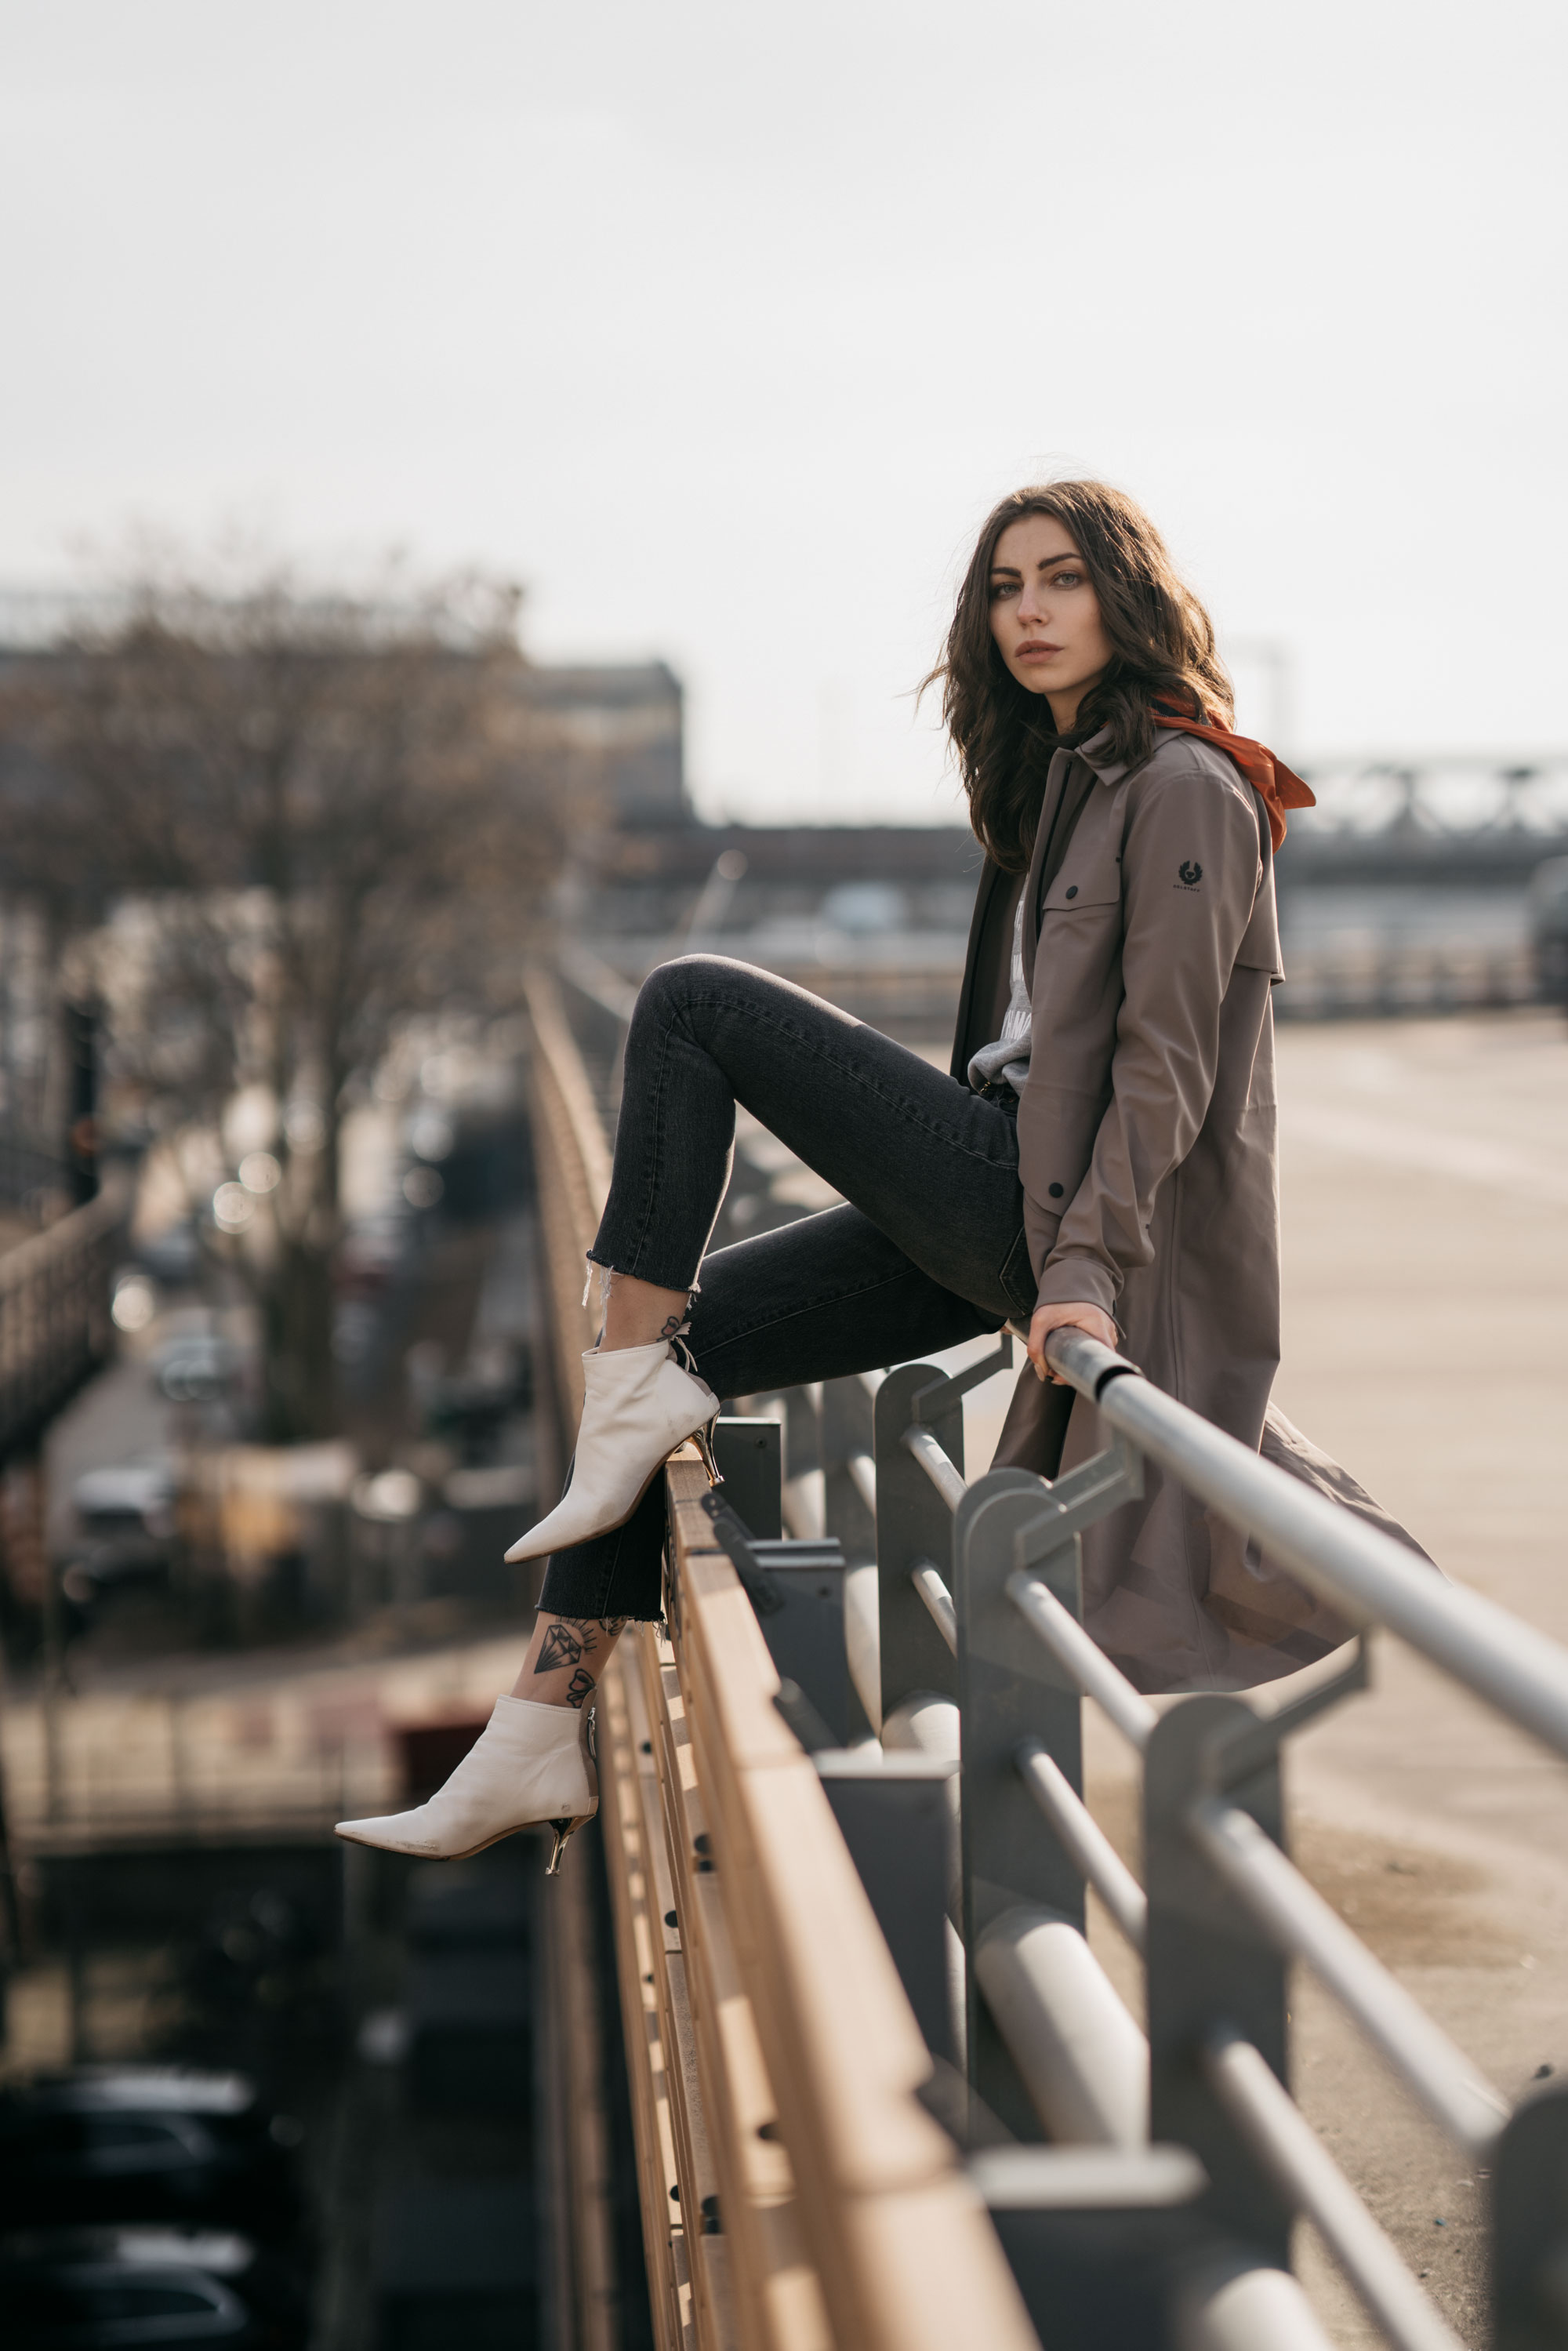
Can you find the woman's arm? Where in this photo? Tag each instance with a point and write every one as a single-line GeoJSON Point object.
{"type": "Point", "coordinates": [1191, 860]}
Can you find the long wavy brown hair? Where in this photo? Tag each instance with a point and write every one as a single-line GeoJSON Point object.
{"type": "Point", "coordinates": [1163, 642]}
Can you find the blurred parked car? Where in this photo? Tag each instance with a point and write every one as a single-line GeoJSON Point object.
{"type": "Point", "coordinates": [142, 2143]}
{"type": "Point", "coordinates": [101, 2289]}
{"type": "Point", "coordinates": [1549, 929]}
{"type": "Point", "coordinates": [126, 1515]}
{"type": "Point", "coordinates": [125, 1497]}
{"type": "Point", "coordinates": [197, 1368]}
{"type": "Point", "coordinates": [172, 1256]}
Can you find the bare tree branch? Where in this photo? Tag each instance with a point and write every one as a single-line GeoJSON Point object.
{"type": "Point", "coordinates": [287, 822]}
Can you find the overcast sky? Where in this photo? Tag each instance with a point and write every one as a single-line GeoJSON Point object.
{"type": "Point", "coordinates": [721, 327]}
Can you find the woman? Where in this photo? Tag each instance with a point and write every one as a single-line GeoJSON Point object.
{"type": "Point", "coordinates": [1101, 1153]}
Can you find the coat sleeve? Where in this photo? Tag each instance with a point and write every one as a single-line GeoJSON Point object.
{"type": "Point", "coordinates": [1191, 864]}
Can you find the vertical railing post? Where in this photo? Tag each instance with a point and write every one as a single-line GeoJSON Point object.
{"type": "Point", "coordinates": [749, 1454]}
{"type": "Point", "coordinates": [1008, 1689]}
{"type": "Point", "coordinates": [1530, 2226]}
{"type": "Point", "coordinates": [1208, 1962]}
{"type": "Point", "coordinates": [846, 1428]}
{"type": "Point", "coordinates": [911, 1523]}
{"type": "Point", "coordinates": [803, 1513]}
{"type": "Point", "coordinates": [895, 1817]}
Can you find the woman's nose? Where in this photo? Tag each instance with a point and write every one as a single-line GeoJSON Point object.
{"type": "Point", "coordinates": [1030, 605]}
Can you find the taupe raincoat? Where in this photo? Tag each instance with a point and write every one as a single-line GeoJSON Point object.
{"type": "Point", "coordinates": [1146, 1150]}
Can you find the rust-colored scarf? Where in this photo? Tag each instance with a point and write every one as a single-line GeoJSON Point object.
{"type": "Point", "coordinates": [1270, 777]}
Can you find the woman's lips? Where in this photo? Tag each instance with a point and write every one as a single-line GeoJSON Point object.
{"type": "Point", "coordinates": [1036, 650]}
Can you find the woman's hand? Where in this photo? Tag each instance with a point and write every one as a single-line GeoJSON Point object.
{"type": "Point", "coordinates": [1080, 1316]}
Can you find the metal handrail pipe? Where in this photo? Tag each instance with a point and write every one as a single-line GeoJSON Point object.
{"type": "Point", "coordinates": [926, 1578]}
{"type": "Point", "coordinates": [862, 1476]}
{"type": "Point", "coordinates": [862, 1637]}
{"type": "Point", "coordinates": [1084, 2060]}
{"type": "Point", "coordinates": [1246, 2308]}
{"type": "Point", "coordinates": [803, 1505]}
{"type": "Point", "coordinates": [1270, 2123]}
{"type": "Point", "coordinates": [1085, 1663]}
{"type": "Point", "coordinates": [1366, 1574]}
{"type": "Point", "coordinates": [1300, 1923]}
{"type": "Point", "coordinates": [948, 1481]}
{"type": "Point", "coordinates": [926, 1724]}
{"type": "Point", "coordinates": [44, 1253]}
{"type": "Point", "coordinates": [1085, 1843]}
{"type": "Point", "coordinates": [597, 981]}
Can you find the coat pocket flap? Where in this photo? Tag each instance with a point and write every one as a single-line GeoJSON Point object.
{"type": "Point", "coordinates": [1083, 882]}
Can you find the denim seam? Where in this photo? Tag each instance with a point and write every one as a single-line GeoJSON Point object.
{"type": "Point", "coordinates": [711, 1347]}
{"type": "Point", "coordinates": [655, 1159]}
{"type": "Point", "coordinates": [893, 1102]}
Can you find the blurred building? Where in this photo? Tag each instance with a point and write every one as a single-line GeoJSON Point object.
{"type": "Point", "coordinates": [628, 719]}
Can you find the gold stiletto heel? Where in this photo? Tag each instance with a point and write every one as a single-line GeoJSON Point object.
{"type": "Point", "coordinates": [564, 1829]}
{"type": "Point", "coordinates": [703, 1439]}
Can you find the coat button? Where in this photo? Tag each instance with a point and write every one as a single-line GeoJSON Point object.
{"type": "Point", "coordinates": [1055, 1191]}
{"type": "Point", "coordinates": [1073, 891]}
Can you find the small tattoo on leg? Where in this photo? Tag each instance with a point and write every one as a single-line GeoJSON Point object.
{"type": "Point", "coordinates": [580, 1689]}
{"type": "Point", "coordinates": [671, 1325]}
{"type": "Point", "coordinates": [560, 1646]}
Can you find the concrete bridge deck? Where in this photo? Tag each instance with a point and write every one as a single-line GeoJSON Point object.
{"type": "Point", "coordinates": [1425, 1205]}
{"type": "Point", "coordinates": [1425, 1202]}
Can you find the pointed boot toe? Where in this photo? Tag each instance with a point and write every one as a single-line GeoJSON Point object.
{"type": "Point", "coordinates": [639, 1403]}
{"type": "Point", "coordinates": [529, 1764]}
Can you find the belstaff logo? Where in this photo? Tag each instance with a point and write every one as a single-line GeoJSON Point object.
{"type": "Point", "coordinates": [1191, 875]}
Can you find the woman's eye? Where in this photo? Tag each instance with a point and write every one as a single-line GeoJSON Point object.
{"type": "Point", "coordinates": [1000, 588]}
{"type": "Point", "coordinates": [1067, 580]}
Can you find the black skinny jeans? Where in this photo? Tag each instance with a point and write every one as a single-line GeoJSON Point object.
{"type": "Point", "coordinates": [929, 1250]}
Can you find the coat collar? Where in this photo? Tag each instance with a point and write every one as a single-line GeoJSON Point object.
{"type": "Point", "coordinates": [1096, 754]}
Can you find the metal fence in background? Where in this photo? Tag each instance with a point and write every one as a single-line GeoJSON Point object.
{"type": "Point", "coordinates": [1400, 980]}
{"type": "Point", "coordinates": [55, 1326]}
{"type": "Point", "coordinates": [31, 1177]}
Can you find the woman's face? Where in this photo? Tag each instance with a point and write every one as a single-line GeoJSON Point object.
{"type": "Point", "coordinates": [1045, 616]}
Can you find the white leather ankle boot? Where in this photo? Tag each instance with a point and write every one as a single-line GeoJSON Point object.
{"type": "Point", "coordinates": [529, 1763]}
{"type": "Point", "coordinates": [638, 1405]}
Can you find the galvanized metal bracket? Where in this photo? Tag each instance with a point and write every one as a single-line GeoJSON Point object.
{"type": "Point", "coordinates": [737, 1539]}
{"type": "Point", "coordinates": [1089, 1492]}
{"type": "Point", "coordinates": [944, 1393]}
{"type": "Point", "coordinates": [913, 1523]}
{"type": "Point", "coordinates": [1009, 1690]}
{"type": "Point", "coordinates": [797, 1589]}
{"type": "Point", "coordinates": [1238, 1750]}
{"type": "Point", "coordinates": [1209, 1961]}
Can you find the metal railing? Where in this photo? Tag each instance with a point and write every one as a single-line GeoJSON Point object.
{"type": "Point", "coordinates": [794, 2193]}
{"type": "Point", "coordinates": [1143, 2184]}
{"type": "Point", "coordinates": [31, 1177]}
{"type": "Point", "coordinates": [992, 1662]}
{"type": "Point", "coordinates": [55, 1326]}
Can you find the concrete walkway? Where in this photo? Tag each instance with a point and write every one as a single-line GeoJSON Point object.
{"type": "Point", "coordinates": [1424, 1203]}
